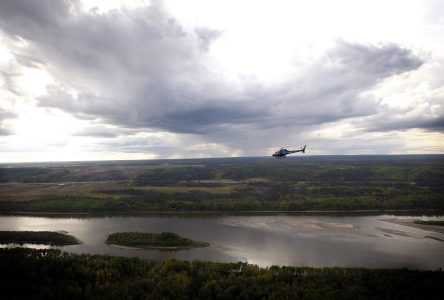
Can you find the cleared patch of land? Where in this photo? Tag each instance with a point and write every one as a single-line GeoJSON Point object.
{"type": "Point", "coordinates": [142, 240]}
{"type": "Point", "coordinates": [37, 237]}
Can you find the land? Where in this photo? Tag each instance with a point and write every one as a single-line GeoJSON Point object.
{"type": "Point", "coordinates": [37, 237]}
{"type": "Point", "coordinates": [51, 274]}
{"type": "Point", "coordinates": [164, 240]}
{"type": "Point", "coordinates": [299, 183]}
{"type": "Point", "coordinates": [435, 223]}
{"type": "Point", "coordinates": [424, 225]}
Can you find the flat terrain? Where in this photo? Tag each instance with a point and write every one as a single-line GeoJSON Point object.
{"type": "Point", "coordinates": [299, 183]}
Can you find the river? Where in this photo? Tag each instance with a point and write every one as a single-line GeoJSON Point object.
{"type": "Point", "coordinates": [279, 239]}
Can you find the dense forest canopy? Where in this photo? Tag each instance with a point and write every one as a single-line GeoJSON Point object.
{"type": "Point", "coordinates": [231, 184]}
{"type": "Point", "coordinates": [51, 274]}
{"type": "Point", "coordinates": [37, 237]}
{"type": "Point", "coordinates": [152, 240]}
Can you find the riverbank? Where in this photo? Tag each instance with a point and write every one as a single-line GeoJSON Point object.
{"type": "Point", "coordinates": [414, 224]}
{"type": "Point", "coordinates": [360, 212]}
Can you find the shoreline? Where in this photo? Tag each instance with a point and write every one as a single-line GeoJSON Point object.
{"type": "Point", "coordinates": [411, 223]}
{"type": "Point", "coordinates": [246, 212]}
{"type": "Point", "coordinates": [178, 248]}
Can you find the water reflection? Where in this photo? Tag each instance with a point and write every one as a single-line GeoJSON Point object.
{"type": "Point", "coordinates": [300, 240]}
{"type": "Point", "coordinates": [35, 246]}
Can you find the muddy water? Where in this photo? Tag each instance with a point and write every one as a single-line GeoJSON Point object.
{"type": "Point", "coordinates": [346, 241]}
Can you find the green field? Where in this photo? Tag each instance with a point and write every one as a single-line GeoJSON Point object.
{"type": "Point", "coordinates": [331, 183]}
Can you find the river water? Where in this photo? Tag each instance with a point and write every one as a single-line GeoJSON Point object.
{"type": "Point", "coordinates": [297, 240]}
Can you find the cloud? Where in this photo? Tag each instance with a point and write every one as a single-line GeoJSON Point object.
{"type": "Point", "coordinates": [3, 116]}
{"type": "Point", "coordinates": [207, 36]}
{"type": "Point", "coordinates": [400, 123]}
{"type": "Point", "coordinates": [140, 69]}
{"type": "Point", "coordinates": [101, 131]}
{"type": "Point", "coordinates": [375, 61]}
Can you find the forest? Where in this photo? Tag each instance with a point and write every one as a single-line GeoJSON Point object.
{"type": "Point", "coordinates": [37, 237]}
{"type": "Point", "coordinates": [331, 183]}
{"type": "Point", "coordinates": [152, 240]}
{"type": "Point", "coordinates": [51, 274]}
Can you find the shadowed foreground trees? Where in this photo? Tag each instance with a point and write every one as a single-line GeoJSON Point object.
{"type": "Point", "coordinates": [50, 274]}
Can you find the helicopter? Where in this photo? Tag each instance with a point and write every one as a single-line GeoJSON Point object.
{"type": "Point", "coordinates": [281, 153]}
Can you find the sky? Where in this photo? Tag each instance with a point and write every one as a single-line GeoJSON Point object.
{"type": "Point", "coordinates": [104, 80]}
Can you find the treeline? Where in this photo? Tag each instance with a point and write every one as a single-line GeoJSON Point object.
{"type": "Point", "coordinates": [57, 174]}
{"type": "Point", "coordinates": [430, 222]}
{"type": "Point", "coordinates": [86, 204]}
{"type": "Point", "coordinates": [143, 239]}
{"type": "Point", "coordinates": [364, 174]}
{"type": "Point", "coordinates": [421, 170]}
{"type": "Point", "coordinates": [51, 274]}
{"type": "Point", "coordinates": [37, 237]}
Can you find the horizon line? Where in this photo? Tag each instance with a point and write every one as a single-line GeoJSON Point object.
{"type": "Point", "coordinates": [216, 157]}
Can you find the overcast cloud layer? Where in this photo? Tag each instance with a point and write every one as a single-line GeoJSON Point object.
{"type": "Point", "coordinates": [137, 80]}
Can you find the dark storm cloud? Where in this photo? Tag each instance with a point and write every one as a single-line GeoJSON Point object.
{"type": "Point", "coordinates": [203, 119]}
{"type": "Point", "coordinates": [100, 131]}
{"type": "Point", "coordinates": [141, 69]}
{"type": "Point", "coordinates": [436, 124]}
{"type": "Point", "coordinates": [378, 61]}
{"type": "Point", "coordinates": [133, 144]}
{"type": "Point", "coordinates": [383, 123]}
{"type": "Point", "coordinates": [331, 89]}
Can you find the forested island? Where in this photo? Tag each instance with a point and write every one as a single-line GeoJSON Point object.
{"type": "Point", "coordinates": [309, 183]}
{"type": "Point", "coordinates": [164, 240]}
{"type": "Point", "coordinates": [37, 237]}
{"type": "Point", "coordinates": [51, 274]}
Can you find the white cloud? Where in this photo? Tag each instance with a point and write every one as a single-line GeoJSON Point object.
{"type": "Point", "coordinates": [184, 79]}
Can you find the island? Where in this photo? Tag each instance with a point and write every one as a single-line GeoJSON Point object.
{"type": "Point", "coordinates": [37, 237]}
{"type": "Point", "coordinates": [164, 240]}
